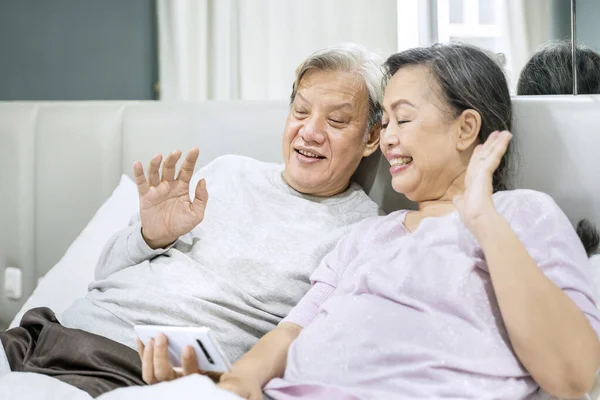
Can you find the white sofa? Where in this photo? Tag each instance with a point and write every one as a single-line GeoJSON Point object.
{"type": "Point", "coordinates": [61, 160]}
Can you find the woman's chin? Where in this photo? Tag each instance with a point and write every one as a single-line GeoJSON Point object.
{"type": "Point", "coordinates": [402, 187]}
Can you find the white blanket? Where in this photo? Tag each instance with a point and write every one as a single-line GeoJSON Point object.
{"type": "Point", "coordinates": [29, 386]}
{"type": "Point", "coordinates": [191, 387]}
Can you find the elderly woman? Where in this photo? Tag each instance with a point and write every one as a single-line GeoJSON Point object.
{"type": "Point", "coordinates": [479, 294]}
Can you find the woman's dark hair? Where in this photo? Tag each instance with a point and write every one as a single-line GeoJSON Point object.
{"type": "Point", "coordinates": [550, 71]}
{"type": "Point", "coordinates": [467, 78]}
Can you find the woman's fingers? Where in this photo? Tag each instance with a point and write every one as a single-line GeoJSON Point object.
{"type": "Point", "coordinates": [498, 148]}
{"type": "Point", "coordinates": [489, 144]}
{"type": "Point", "coordinates": [489, 154]}
{"type": "Point", "coordinates": [503, 141]}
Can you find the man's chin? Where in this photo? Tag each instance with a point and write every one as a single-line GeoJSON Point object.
{"type": "Point", "coordinates": [302, 181]}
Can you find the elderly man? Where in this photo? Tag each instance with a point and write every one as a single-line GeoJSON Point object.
{"type": "Point", "coordinates": [236, 263]}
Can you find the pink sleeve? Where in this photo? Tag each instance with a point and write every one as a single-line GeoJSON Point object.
{"type": "Point", "coordinates": [325, 278]}
{"type": "Point", "coordinates": [306, 310]}
{"type": "Point", "coordinates": [552, 242]}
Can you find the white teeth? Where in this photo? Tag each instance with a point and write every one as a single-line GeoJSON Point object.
{"type": "Point", "coordinates": [400, 161]}
{"type": "Point", "coordinates": [308, 154]}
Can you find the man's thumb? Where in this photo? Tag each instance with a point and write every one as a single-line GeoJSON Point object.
{"type": "Point", "coordinates": [201, 192]}
{"type": "Point", "coordinates": [200, 199]}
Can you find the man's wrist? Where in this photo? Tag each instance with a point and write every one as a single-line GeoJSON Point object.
{"type": "Point", "coordinates": [157, 244]}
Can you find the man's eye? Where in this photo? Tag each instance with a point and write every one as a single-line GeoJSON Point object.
{"type": "Point", "coordinates": [301, 113]}
{"type": "Point", "coordinates": [337, 121]}
{"type": "Point", "coordinates": [400, 122]}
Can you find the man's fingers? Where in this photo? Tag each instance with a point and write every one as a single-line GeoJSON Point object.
{"type": "Point", "coordinates": [188, 361]}
{"type": "Point", "coordinates": [163, 370]}
{"type": "Point", "coordinates": [140, 178]}
{"type": "Point", "coordinates": [140, 346]}
{"type": "Point", "coordinates": [148, 364]}
{"type": "Point", "coordinates": [169, 166]}
{"type": "Point", "coordinates": [153, 175]}
{"type": "Point", "coordinates": [187, 167]}
{"type": "Point", "coordinates": [200, 199]}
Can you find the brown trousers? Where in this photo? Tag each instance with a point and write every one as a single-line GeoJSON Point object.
{"type": "Point", "coordinates": [89, 362]}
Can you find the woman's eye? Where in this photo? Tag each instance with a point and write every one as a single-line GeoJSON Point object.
{"type": "Point", "coordinates": [400, 122]}
{"type": "Point", "coordinates": [384, 124]}
{"type": "Point", "coordinates": [336, 121]}
{"type": "Point", "coordinates": [301, 112]}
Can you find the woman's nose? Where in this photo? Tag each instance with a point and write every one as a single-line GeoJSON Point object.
{"type": "Point", "coordinates": [388, 139]}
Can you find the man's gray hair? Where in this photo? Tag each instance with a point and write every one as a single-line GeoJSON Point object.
{"type": "Point", "coordinates": [550, 70]}
{"type": "Point", "coordinates": [354, 58]}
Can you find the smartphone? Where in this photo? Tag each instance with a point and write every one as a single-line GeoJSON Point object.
{"type": "Point", "coordinates": [209, 354]}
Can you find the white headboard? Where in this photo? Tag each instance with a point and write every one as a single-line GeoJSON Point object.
{"type": "Point", "coordinates": [61, 160]}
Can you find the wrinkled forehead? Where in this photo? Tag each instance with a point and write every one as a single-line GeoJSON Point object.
{"type": "Point", "coordinates": [324, 86]}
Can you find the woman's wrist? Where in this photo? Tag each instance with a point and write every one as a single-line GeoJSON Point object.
{"type": "Point", "coordinates": [239, 384]}
{"type": "Point", "coordinates": [485, 227]}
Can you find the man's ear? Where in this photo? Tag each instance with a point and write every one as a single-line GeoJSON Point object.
{"type": "Point", "coordinates": [373, 140]}
{"type": "Point", "coordinates": [469, 124]}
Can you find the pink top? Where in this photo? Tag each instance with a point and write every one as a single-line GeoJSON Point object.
{"type": "Point", "coordinates": [394, 314]}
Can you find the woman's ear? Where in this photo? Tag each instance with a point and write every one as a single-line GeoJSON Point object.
{"type": "Point", "coordinates": [469, 124]}
{"type": "Point", "coordinates": [373, 140]}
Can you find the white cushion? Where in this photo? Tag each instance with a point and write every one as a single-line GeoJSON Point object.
{"type": "Point", "coordinates": [595, 273]}
{"type": "Point", "coordinates": [75, 270]}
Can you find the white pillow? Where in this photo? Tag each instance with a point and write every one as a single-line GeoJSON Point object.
{"type": "Point", "coordinates": [69, 279]}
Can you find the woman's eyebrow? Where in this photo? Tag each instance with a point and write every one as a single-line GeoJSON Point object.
{"type": "Point", "coordinates": [400, 102]}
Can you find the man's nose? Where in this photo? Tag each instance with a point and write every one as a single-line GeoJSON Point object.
{"type": "Point", "coordinates": [314, 130]}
